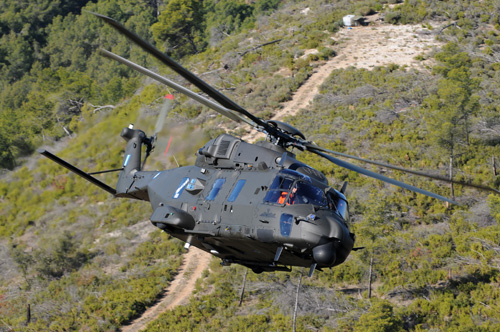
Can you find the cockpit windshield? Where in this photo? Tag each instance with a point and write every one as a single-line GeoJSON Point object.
{"type": "Point", "coordinates": [279, 189]}
{"type": "Point", "coordinates": [292, 187]}
{"type": "Point", "coordinates": [305, 193]}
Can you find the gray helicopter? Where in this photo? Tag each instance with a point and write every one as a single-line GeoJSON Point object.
{"type": "Point", "coordinates": [249, 204]}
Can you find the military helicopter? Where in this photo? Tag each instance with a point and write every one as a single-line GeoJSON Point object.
{"type": "Point", "coordinates": [249, 204]}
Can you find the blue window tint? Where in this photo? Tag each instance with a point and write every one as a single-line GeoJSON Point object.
{"type": "Point", "coordinates": [236, 190]}
{"type": "Point", "coordinates": [215, 189]}
{"type": "Point", "coordinates": [181, 187]}
{"type": "Point", "coordinates": [191, 184]}
{"type": "Point", "coordinates": [306, 193]}
{"type": "Point", "coordinates": [286, 222]}
{"type": "Point", "coordinates": [342, 208]}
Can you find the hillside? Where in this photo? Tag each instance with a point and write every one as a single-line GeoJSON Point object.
{"type": "Point", "coordinates": [363, 47]}
{"type": "Point", "coordinates": [85, 261]}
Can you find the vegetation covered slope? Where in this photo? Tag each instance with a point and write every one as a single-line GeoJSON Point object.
{"type": "Point", "coordinates": [87, 262]}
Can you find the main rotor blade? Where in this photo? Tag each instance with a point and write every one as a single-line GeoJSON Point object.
{"type": "Point", "coordinates": [202, 85]}
{"type": "Point", "coordinates": [207, 102]}
{"type": "Point", "coordinates": [198, 82]}
{"type": "Point", "coordinates": [311, 147]}
{"type": "Point", "coordinates": [74, 169]}
{"type": "Point", "coordinates": [380, 177]}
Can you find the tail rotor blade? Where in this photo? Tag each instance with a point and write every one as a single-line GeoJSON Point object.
{"type": "Point", "coordinates": [166, 107]}
{"type": "Point", "coordinates": [168, 146]}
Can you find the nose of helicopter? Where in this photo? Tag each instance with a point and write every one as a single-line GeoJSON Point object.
{"type": "Point", "coordinates": [331, 237]}
{"type": "Point", "coordinates": [325, 254]}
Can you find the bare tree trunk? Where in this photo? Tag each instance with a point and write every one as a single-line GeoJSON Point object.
{"type": "Point", "coordinates": [451, 178]}
{"type": "Point", "coordinates": [154, 4]}
{"type": "Point", "coordinates": [296, 302]}
{"type": "Point", "coordinates": [370, 278]}
{"type": "Point", "coordinates": [28, 314]}
{"type": "Point", "coordinates": [97, 108]}
{"type": "Point", "coordinates": [191, 41]}
{"type": "Point", "coordinates": [259, 46]}
{"type": "Point", "coordinates": [243, 288]}
{"type": "Point", "coordinates": [493, 166]}
{"type": "Point", "coordinates": [156, 9]}
{"type": "Point", "coordinates": [467, 131]}
{"type": "Point", "coordinates": [62, 125]}
{"type": "Point", "coordinates": [449, 25]}
{"type": "Point", "coordinates": [452, 189]}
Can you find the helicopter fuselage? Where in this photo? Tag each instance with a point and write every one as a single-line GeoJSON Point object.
{"type": "Point", "coordinates": [254, 205]}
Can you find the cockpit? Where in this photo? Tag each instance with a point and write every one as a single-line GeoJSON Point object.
{"type": "Point", "coordinates": [293, 188]}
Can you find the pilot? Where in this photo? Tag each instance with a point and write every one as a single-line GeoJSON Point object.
{"type": "Point", "coordinates": [331, 201]}
{"type": "Point", "coordinates": [282, 197]}
{"type": "Point", "coordinates": [291, 199]}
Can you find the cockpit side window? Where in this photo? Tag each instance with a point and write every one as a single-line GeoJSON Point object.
{"type": "Point", "coordinates": [342, 208]}
{"type": "Point", "coordinates": [306, 193]}
{"type": "Point", "coordinates": [338, 203]}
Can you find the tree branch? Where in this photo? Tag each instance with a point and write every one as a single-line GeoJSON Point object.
{"type": "Point", "coordinates": [259, 46]}
{"type": "Point", "coordinates": [98, 108]}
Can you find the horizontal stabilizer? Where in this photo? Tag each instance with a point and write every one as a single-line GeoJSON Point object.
{"type": "Point", "coordinates": [78, 171]}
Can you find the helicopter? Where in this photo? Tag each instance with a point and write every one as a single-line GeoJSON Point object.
{"type": "Point", "coordinates": [252, 204]}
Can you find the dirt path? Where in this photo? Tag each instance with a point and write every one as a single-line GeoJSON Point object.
{"type": "Point", "coordinates": [193, 265]}
{"type": "Point", "coordinates": [362, 47]}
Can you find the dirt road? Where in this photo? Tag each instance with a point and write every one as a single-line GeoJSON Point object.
{"type": "Point", "coordinates": [193, 265]}
{"type": "Point", "coordinates": [362, 47]}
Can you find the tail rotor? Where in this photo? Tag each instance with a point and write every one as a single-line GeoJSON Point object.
{"type": "Point", "coordinates": [160, 122]}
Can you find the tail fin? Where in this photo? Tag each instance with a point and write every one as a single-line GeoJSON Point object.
{"type": "Point", "coordinates": [129, 184]}
{"type": "Point", "coordinates": [135, 139]}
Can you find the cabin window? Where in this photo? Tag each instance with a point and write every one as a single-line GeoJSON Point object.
{"type": "Point", "coordinates": [236, 191]}
{"type": "Point", "coordinates": [180, 188]}
{"type": "Point", "coordinates": [215, 189]}
{"type": "Point", "coordinates": [306, 193]}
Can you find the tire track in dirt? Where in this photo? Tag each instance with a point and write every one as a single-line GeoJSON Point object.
{"type": "Point", "coordinates": [177, 293]}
